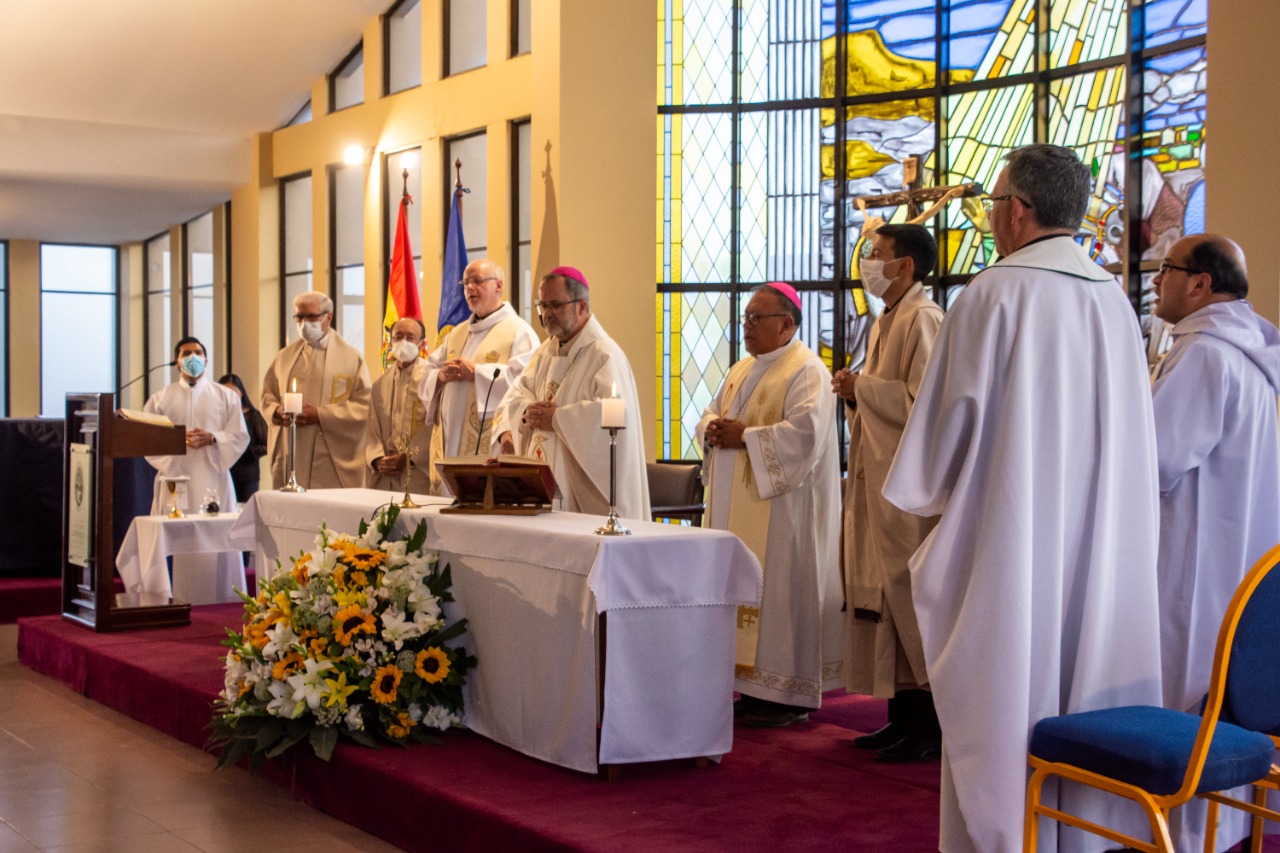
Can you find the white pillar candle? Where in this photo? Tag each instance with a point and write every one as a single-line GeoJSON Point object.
{"type": "Point", "coordinates": [613, 412]}
{"type": "Point", "coordinates": [293, 400]}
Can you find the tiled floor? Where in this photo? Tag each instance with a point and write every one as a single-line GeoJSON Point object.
{"type": "Point", "coordinates": [78, 777]}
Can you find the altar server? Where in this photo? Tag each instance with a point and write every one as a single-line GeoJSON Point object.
{"type": "Point", "coordinates": [216, 434]}
{"type": "Point", "coordinates": [465, 379]}
{"type": "Point", "coordinates": [334, 383]}
{"type": "Point", "coordinates": [553, 412]}
{"type": "Point", "coordinates": [883, 653]}
{"type": "Point", "coordinates": [1216, 438]}
{"type": "Point", "coordinates": [397, 434]}
{"type": "Point", "coordinates": [772, 468]}
{"type": "Point", "coordinates": [1032, 436]}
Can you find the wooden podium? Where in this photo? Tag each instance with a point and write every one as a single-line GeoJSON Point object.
{"type": "Point", "coordinates": [95, 438]}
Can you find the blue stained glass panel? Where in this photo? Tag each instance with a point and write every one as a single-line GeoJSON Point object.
{"type": "Point", "coordinates": [1167, 21]}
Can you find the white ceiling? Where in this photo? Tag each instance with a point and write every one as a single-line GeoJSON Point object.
{"type": "Point", "coordinates": [121, 118]}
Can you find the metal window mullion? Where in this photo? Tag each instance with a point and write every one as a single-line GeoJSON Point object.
{"type": "Point", "coordinates": [1133, 152]}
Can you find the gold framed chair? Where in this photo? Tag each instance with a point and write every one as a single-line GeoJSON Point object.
{"type": "Point", "coordinates": [1161, 758]}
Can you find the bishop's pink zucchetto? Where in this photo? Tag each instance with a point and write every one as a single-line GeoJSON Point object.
{"type": "Point", "coordinates": [573, 273]}
{"type": "Point", "coordinates": [786, 290]}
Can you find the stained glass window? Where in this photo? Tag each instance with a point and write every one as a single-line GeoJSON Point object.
{"type": "Point", "coordinates": [775, 117]}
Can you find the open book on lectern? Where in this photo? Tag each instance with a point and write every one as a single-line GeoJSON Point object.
{"type": "Point", "coordinates": [510, 485]}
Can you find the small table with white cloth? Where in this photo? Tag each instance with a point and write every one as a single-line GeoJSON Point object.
{"type": "Point", "coordinates": [536, 591]}
{"type": "Point", "coordinates": [207, 568]}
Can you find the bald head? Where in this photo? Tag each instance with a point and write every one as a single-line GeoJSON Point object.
{"type": "Point", "coordinates": [1199, 270]}
{"type": "Point", "coordinates": [482, 283]}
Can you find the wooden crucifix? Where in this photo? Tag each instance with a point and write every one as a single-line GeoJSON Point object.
{"type": "Point", "coordinates": [914, 194]}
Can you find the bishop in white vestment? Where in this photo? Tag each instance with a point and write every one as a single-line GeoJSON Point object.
{"type": "Point", "coordinates": [1219, 450]}
{"type": "Point", "coordinates": [334, 383]}
{"type": "Point", "coordinates": [772, 468]}
{"type": "Point", "coordinates": [397, 436]}
{"type": "Point", "coordinates": [553, 413]}
{"type": "Point", "coordinates": [466, 378]}
{"type": "Point", "coordinates": [1032, 437]}
{"type": "Point", "coordinates": [216, 436]}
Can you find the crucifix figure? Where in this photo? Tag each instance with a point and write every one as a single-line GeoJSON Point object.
{"type": "Point", "coordinates": [913, 194]}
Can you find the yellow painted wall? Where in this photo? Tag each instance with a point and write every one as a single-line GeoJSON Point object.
{"type": "Point", "coordinates": [24, 329]}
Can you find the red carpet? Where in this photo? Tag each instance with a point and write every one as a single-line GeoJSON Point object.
{"type": "Point", "coordinates": [29, 597]}
{"type": "Point", "coordinates": [796, 788]}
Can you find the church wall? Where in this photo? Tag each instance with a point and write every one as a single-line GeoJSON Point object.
{"type": "Point", "coordinates": [24, 328]}
{"type": "Point", "coordinates": [1242, 171]}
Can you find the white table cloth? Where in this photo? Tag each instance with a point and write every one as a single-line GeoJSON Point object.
{"type": "Point", "coordinates": [207, 568]}
{"type": "Point", "coordinates": [532, 589]}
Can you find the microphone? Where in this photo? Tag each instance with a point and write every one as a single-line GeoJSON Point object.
{"type": "Point", "coordinates": [149, 371]}
{"type": "Point", "coordinates": [485, 410]}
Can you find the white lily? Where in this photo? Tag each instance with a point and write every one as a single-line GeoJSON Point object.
{"type": "Point", "coordinates": [309, 686]}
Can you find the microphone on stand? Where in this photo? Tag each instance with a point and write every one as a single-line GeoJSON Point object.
{"type": "Point", "coordinates": [485, 410]}
{"type": "Point", "coordinates": [149, 371]}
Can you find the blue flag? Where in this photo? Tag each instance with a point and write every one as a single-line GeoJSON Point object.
{"type": "Point", "coordinates": [453, 307]}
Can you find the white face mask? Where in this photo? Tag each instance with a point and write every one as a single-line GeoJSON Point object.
{"type": "Point", "coordinates": [311, 331]}
{"type": "Point", "coordinates": [404, 351]}
{"type": "Point", "coordinates": [873, 277]}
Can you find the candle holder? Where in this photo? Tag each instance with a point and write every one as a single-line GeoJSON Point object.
{"type": "Point", "coordinates": [611, 526]}
{"type": "Point", "coordinates": [407, 501]}
{"type": "Point", "coordinates": [176, 511]}
{"type": "Point", "coordinates": [292, 485]}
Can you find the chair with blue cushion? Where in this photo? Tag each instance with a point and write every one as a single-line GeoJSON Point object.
{"type": "Point", "coordinates": [1160, 758]}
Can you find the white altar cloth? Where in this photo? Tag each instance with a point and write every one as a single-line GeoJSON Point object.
{"type": "Point", "coordinates": [532, 589]}
{"type": "Point", "coordinates": [207, 568]}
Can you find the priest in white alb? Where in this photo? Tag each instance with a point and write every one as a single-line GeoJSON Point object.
{"type": "Point", "coordinates": [1032, 437]}
{"type": "Point", "coordinates": [216, 436]}
{"type": "Point", "coordinates": [553, 413]}
{"type": "Point", "coordinates": [772, 469]}
{"type": "Point", "coordinates": [331, 376]}
{"type": "Point", "coordinates": [1216, 437]}
{"type": "Point", "coordinates": [397, 442]}
{"type": "Point", "coordinates": [466, 378]}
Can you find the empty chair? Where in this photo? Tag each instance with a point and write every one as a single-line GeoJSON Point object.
{"type": "Point", "coordinates": [675, 491]}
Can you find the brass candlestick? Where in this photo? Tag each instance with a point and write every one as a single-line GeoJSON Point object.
{"type": "Point", "coordinates": [407, 502]}
{"type": "Point", "coordinates": [611, 526]}
{"type": "Point", "coordinates": [176, 512]}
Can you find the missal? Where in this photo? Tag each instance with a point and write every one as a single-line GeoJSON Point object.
{"type": "Point", "coordinates": [505, 485]}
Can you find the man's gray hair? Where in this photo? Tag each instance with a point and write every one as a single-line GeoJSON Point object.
{"type": "Point", "coordinates": [326, 304]}
{"type": "Point", "coordinates": [575, 288]}
{"type": "Point", "coordinates": [1054, 181]}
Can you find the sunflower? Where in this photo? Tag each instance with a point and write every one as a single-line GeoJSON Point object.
{"type": "Point", "coordinates": [386, 681]}
{"type": "Point", "coordinates": [350, 621]}
{"type": "Point", "coordinates": [432, 665]}
{"type": "Point", "coordinates": [286, 666]}
{"type": "Point", "coordinates": [363, 558]}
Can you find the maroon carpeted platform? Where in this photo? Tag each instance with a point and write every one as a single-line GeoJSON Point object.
{"type": "Point", "coordinates": [796, 788]}
{"type": "Point", "coordinates": [29, 597]}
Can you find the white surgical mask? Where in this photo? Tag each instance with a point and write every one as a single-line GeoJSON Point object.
{"type": "Point", "coordinates": [873, 277]}
{"type": "Point", "coordinates": [404, 351]}
{"type": "Point", "coordinates": [311, 331]}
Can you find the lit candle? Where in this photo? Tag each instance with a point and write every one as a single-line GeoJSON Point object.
{"type": "Point", "coordinates": [613, 411]}
{"type": "Point", "coordinates": [293, 400]}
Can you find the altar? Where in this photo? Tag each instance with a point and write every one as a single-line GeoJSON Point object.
{"type": "Point", "coordinates": [592, 650]}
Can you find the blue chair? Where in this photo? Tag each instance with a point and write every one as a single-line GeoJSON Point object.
{"type": "Point", "coordinates": [1160, 758]}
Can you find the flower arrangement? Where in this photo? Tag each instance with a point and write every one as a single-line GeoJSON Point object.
{"type": "Point", "coordinates": [351, 642]}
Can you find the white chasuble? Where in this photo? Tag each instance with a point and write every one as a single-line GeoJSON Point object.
{"type": "Point", "coordinates": [397, 420]}
{"type": "Point", "coordinates": [883, 651]}
{"type": "Point", "coordinates": [592, 366]}
{"type": "Point", "coordinates": [1032, 437]}
{"type": "Point", "coordinates": [780, 494]}
{"type": "Point", "coordinates": [500, 345]}
{"type": "Point", "coordinates": [1217, 441]}
{"type": "Point", "coordinates": [332, 377]}
{"type": "Point", "coordinates": [208, 406]}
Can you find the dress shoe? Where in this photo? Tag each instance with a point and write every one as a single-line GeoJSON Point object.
{"type": "Point", "coordinates": [744, 705]}
{"type": "Point", "coordinates": [912, 748]}
{"type": "Point", "coordinates": [773, 716]}
{"type": "Point", "coordinates": [881, 737]}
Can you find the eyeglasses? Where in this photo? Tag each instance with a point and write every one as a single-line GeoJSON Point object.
{"type": "Point", "coordinates": [476, 282]}
{"type": "Point", "coordinates": [751, 317]}
{"type": "Point", "coordinates": [1165, 266]}
{"type": "Point", "coordinates": [301, 317]}
{"type": "Point", "coordinates": [543, 307]}
{"type": "Point", "coordinates": [990, 200]}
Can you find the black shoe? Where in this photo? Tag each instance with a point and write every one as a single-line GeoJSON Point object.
{"type": "Point", "coordinates": [912, 748]}
{"type": "Point", "coordinates": [774, 717]}
{"type": "Point", "coordinates": [881, 737]}
{"type": "Point", "coordinates": [744, 705]}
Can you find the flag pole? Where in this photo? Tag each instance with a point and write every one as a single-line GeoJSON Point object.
{"type": "Point", "coordinates": [457, 184]}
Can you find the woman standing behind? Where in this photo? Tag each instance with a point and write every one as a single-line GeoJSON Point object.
{"type": "Point", "coordinates": [246, 473]}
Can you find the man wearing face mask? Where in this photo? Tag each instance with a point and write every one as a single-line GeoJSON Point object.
{"type": "Point", "coordinates": [552, 413]}
{"type": "Point", "coordinates": [334, 383]}
{"type": "Point", "coordinates": [216, 436]}
{"type": "Point", "coordinates": [884, 655]}
{"type": "Point", "coordinates": [397, 418]}
{"type": "Point", "coordinates": [467, 377]}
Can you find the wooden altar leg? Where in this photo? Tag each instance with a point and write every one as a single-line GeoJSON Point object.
{"type": "Point", "coordinates": [701, 762]}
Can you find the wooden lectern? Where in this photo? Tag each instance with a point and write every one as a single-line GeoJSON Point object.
{"type": "Point", "coordinates": [95, 438]}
